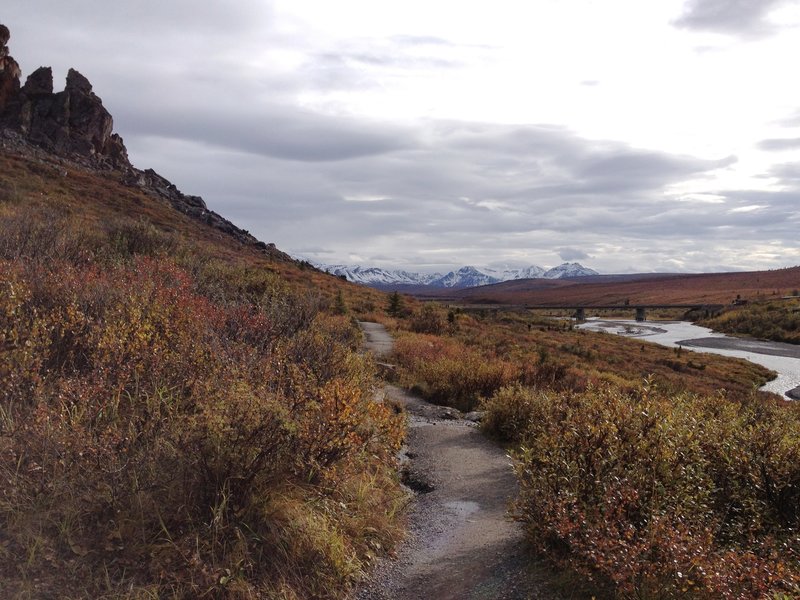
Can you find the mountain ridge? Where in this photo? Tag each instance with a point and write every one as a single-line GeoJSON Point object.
{"type": "Point", "coordinates": [464, 277]}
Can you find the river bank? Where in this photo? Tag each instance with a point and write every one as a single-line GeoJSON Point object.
{"type": "Point", "coordinates": [782, 358]}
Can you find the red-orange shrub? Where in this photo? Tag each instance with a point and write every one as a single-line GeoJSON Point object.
{"type": "Point", "coordinates": [662, 495]}
{"type": "Point", "coordinates": [183, 443]}
{"type": "Point", "coordinates": [446, 371]}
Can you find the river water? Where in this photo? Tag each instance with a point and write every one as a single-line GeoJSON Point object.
{"type": "Point", "coordinates": [781, 358]}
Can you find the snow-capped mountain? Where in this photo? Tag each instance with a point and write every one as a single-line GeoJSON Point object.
{"type": "Point", "coordinates": [568, 270]}
{"type": "Point", "coordinates": [378, 276]}
{"type": "Point", "coordinates": [532, 272]}
{"type": "Point", "coordinates": [464, 277]}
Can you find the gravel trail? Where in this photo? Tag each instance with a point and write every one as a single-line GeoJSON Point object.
{"type": "Point", "coordinates": [461, 544]}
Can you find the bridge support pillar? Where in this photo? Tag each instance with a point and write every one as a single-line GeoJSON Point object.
{"type": "Point", "coordinates": [580, 314]}
{"type": "Point", "coordinates": [640, 314]}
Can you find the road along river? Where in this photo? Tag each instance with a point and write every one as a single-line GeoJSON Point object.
{"type": "Point", "coordinates": [781, 358]}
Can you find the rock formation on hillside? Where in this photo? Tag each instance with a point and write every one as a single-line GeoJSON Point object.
{"type": "Point", "coordinates": [72, 123]}
{"type": "Point", "coordinates": [9, 71]}
{"type": "Point", "coordinates": [75, 126]}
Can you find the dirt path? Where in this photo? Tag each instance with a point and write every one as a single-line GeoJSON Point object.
{"type": "Point", "coordinates": [461, 544]}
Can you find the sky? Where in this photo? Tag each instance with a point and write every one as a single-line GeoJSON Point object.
{"type": "Point", "coordinates": [629, 136]}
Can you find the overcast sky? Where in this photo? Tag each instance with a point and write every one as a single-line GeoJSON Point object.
{"type": "Point", "coordinates": [429, 134]}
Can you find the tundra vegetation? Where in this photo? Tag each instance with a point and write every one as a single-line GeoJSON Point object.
{"type": "Point", "coordinates": [179, 418]}
{"type": "Point", "coordinates": [777, 320]}
{"type": "Point", "coordinates": [653, 472]}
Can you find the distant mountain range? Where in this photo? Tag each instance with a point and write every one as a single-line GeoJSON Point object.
{"type": "Point", "coordinates": [465, 277]}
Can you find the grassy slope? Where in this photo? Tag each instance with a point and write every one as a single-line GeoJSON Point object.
{"type": "Point", "coordinates": [99, 200]}
{"type": "Point", "coordinates": [777, 320]}
{"type": "Point", "coordinates": [179, 415]}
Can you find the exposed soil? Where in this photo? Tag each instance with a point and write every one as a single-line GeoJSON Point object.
{"type": "Point", "coordinates": [461, 543]}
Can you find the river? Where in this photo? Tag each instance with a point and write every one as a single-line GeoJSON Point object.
{"type": "Point", "coordinates": [784, 359]}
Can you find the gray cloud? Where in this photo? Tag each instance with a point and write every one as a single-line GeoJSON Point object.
{"type": "Point", "coordinates": [572, 254]}
{"type": "Point", "coordinates": [277, 131]}
{"type": "Point", "coordinates": [195, 102]}
{"type": "Point", "coordinates": [746, 18]}
{"type": "Point", "coordinates": [778, 144]}
{"type": "Point", "coordinates": [451, 193]}
{"type": "Point", "coordinates": [787, 173]}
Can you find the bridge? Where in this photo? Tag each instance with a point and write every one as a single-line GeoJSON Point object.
{"type": "Point", "coordinates": [640, 309]}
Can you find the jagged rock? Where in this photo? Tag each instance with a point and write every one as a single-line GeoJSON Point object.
{"type": "Point", "coordinates": [72, 123]}
{"type": "Point", "coordinates": [40, 82]}
{"type": "Point", "coordinates": [9, 71]}
{"type": "Point", "coordinates": [78, 83]}
{"type": "Point", "coordinates": [75, 126]}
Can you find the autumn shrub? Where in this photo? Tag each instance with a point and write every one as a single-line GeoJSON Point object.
{"type": "Point", "coordinates": [36, 233]}
{"type": "Point", "coordinates": [660, 495]}
{"type": "Point", "coordinates": [428, 319]}
{"type": "Point", "coordinates": [128, 237]}
{"type": "Point", "coordinates": [508, 411]}
{"type": "Point", "coordinates": [446, 371]}
{"type": "Point", "coordinates": [160, 439]}
{"type": "Point", "coordinates": [776, 320]}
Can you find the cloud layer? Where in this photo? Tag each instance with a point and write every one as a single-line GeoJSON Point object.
{"type": "Point", "coordinates": [256, 110]}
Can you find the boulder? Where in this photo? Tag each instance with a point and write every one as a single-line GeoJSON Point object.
{"type": "Point", "coordinates": [476, 416]}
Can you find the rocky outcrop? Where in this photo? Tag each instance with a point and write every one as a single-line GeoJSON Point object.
{"type": "Point", "coordinates": [9, 71]}
{"type": "Point", "coordinates": [194, 206]}
{"type": "Point", "coordinates": [74, 125]}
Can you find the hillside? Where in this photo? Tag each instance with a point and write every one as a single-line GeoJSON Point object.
{"type": "Point", "coordinates": [710, 288]}
{"type": "Point", "coordinates": [184, 410]}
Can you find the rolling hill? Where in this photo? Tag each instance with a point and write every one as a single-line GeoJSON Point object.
{"type": "Point", "coordinates": [653, 288]}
